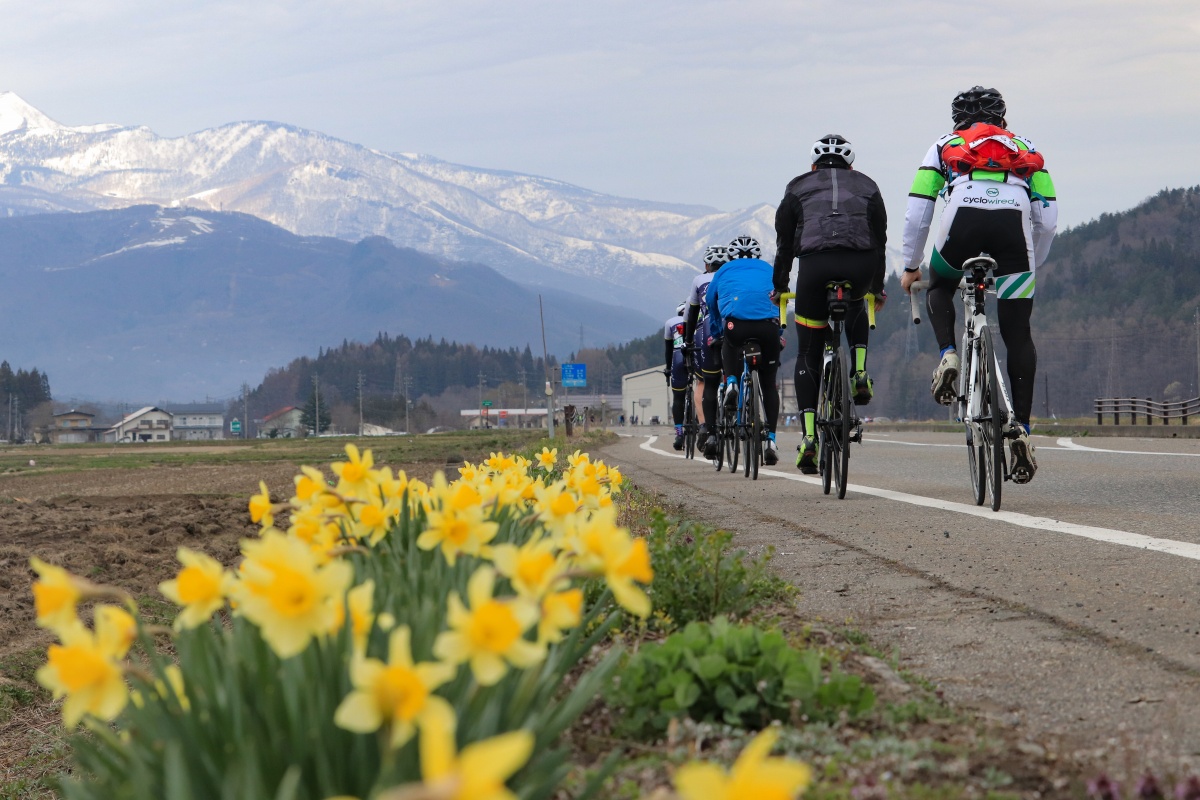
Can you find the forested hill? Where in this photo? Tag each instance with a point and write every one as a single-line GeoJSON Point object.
{"type": "Point", "coordinates": [1115, 315]}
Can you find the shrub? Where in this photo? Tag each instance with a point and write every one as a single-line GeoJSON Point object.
{"type": "Point", "coordinates": [698, 576]}
{"type": "Point", "coordinates": [740, 675]}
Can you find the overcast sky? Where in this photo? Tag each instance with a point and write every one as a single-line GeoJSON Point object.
{"type": "Point", "coordinates": [675, 100]}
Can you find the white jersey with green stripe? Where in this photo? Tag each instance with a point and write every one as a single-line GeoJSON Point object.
{"type": "Point", "coordinates": [933, 179]}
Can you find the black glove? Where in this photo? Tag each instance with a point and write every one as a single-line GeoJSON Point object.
{"type": "Point", "coordinates": [667, 375]}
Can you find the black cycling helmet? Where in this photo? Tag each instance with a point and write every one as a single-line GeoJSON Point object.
{"type": "Point", "coordinates": [978, 104]}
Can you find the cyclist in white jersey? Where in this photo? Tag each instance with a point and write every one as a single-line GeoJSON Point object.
{"type": "Point", "coordinates": [1007, 209]}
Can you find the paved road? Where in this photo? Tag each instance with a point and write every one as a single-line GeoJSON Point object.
{"type": "Point", "coordinates": [1073, 613]}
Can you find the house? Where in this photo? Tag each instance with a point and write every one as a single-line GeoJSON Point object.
{"type": "Point", "coordinates": [198, 422]}
{"type": "Point", "coordinates": [149, 424]}
{"type": "Point", "coordinates": [645, 395]}
{"type": "Point", "coordinates": [283, 424]}
{"type": "Point", "coordinates": [74, 427]}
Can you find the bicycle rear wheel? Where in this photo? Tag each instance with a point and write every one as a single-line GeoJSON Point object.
{"type": "Point", "coordinates": [756, 425]}
{"type": "Point", "coordinates": [824, 440]}
{"type": "Point", "coordinates": [971, 379]}
{"type": "Point", "coordinates": [991, 414]}
{"type": "Point", "coordinates": [839, 457]}
{"type": "Point", "coordinates": [689, 423]}
{"type": "Point", "coordinates": [731, 441]}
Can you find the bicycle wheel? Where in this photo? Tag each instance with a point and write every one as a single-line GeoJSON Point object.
{"type": "Point", "coordinates": [970, 378]}
{"type": "Point", "coordinates": [823, 437]}
{"type": "Point", "coordinates": [839, 398]}
{"type": "Point", "coordinates": [731, 442]}
{"type": "Point", "coordinates": [755, 425]}
{"type": "Point", "coordinates": [747, 447]}
{"type": "Point", "coordinates": [991, 414]}
{"type": "Point", "coordinates": [689, 424]}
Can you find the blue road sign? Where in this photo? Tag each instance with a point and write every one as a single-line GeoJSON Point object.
{"type": "Point", "coordinates": [574, 376]}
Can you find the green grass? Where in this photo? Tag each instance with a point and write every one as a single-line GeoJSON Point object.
{"type": "Point", "coordinates": [394, 450]}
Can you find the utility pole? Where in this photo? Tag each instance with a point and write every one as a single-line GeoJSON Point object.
{"type": "Point", "coordinates": [549, 382]}
{"type": "Point", "coordinates": [245, 412]}
{"type": "Point", "coordinates": [316, 407]}
{"type": "Point", "coordinates": [397, 383]}
{"type": "Point", "coordinates": [407, 400]}
{"type": "Point", "coordinates": [360, 403]}
{"type": "Point", "coordinates": [525, 387]}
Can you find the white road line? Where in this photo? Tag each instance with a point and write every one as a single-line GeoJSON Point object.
{"type": "Point", "coordinates": [1109, 535]}
{"type": "Point", "coordinates": [1068, 444]}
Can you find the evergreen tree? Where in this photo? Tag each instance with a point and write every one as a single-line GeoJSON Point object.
{"type": "Point", "coordinates": [309, 413]}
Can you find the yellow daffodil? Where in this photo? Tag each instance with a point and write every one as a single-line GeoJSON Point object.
{"type": "Point", "coordinates": [373, 518]}
{"type": "Point", "coordinates": [547, 458]}
{"type": "Point", "coordinates": [115, 630]}
{"type": "Point", "coordinates": [577, 458]}
{"type": "Point", "coordinates": [479, 772]}
{"type": "Point", "coordinates": [488, 632]}
{"type": "Point", "coordinates": [354, 475]}
{"type": "Point", "coordinates": [624, 560]}
{"type": "Point", "coordinates": [398, 693]}
{"type": "Point", "coordinates": [200, 587]}
{"type": "Point", "coordinates": [498, 462]}
{"type": "Point", "coordinates": [455, 521]}
{"type": "Point", "coordinates": [309, 483]}
{"type": "Point", "coordinates": [285, 592]}
{"type": "Point", "coordinates": [391, 488]}
{"type": "Point", "coordinates": [360, 602]}
{"type": "Point", "coordinates": [561, 611]}
{"type": "Point", "coordinates": [557, 507]}
{"type": "Point", "coordinates": [754, 776]}
{"type": "Point", "coordinates": [532, 568]}
{"type": "Point", "coordinates": [56, 595]}
{"type": "Point", "coordinates": [261, 508]}
{"type": "Point", "coordinates": [86, 671]}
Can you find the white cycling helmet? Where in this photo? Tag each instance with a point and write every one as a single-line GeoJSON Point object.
{"type": "Point", "coordinates": [831, 144]}
{"type": "Point", "coordinates": [715, 255]}
{"type": "Point", "coordinates": [744, 247]}
{"type": "Point", "coordinates": [681, 308]}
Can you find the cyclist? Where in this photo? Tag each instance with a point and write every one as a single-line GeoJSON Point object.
{"type": "Point", "coordinates": [1005, 208]}
{"type": "Point", "coordinates": [832, 219]}
{"type": "Point", "coordinates": [739, 299]}
{"type": "Point", "coordinates": [676, 369]}
{"type": "Point", "coordinates": [707, 355]}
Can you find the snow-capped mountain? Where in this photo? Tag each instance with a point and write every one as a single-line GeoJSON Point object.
{"type": "Point", "coordinates": [534, 230]}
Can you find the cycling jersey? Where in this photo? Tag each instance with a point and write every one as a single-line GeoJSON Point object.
{"type": "Point", "coordinates": [990, 191]}
{"type": "Point", "coordinates": [673, 331]}
{"type": "Point", "coordinates": [698, 295]}
{"type": "Point", "coordinates": [741, 290]}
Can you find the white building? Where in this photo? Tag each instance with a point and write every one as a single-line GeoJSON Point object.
{"type": "Point", "coordinates": [149, 424]}
{"type": "Point", "coordinates": [199, 422]}
{"type": "Point", "coordinates": [646, 395]}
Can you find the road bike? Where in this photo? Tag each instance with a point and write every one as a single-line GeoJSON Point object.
{"type": "Point", "coordinates": [691, 424]}
{"type": "Point", "coordinates": [745, 428]}
{"type": "Point", "coordinates": [838, 424]}
{"type": "Point", "coordinates": [983, 403]}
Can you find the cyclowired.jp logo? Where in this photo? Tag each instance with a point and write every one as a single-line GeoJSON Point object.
{"type": "Point", "coordinates": [993, 192]}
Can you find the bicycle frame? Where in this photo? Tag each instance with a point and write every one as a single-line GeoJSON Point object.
{"type": "Point", "coordinates": [973, 292]}
{"type": "Point", "coordinates": [988, 420]}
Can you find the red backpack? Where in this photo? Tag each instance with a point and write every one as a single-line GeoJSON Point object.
{"type": "Point", "coordinates": [993, 149]}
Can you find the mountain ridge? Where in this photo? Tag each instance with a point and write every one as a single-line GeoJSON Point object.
{"type": "Point", "coordinates": [161, 303]}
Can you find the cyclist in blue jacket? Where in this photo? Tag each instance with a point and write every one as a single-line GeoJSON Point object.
{"type": "Point", "coordinates": [739, 299]}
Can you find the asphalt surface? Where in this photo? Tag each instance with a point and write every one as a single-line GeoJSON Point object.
{"type": "Point", "coordinates": [1073, 614]}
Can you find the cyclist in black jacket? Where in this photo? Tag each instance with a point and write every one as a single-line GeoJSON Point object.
{"type": "Point", "coordinates": [833, 220]}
